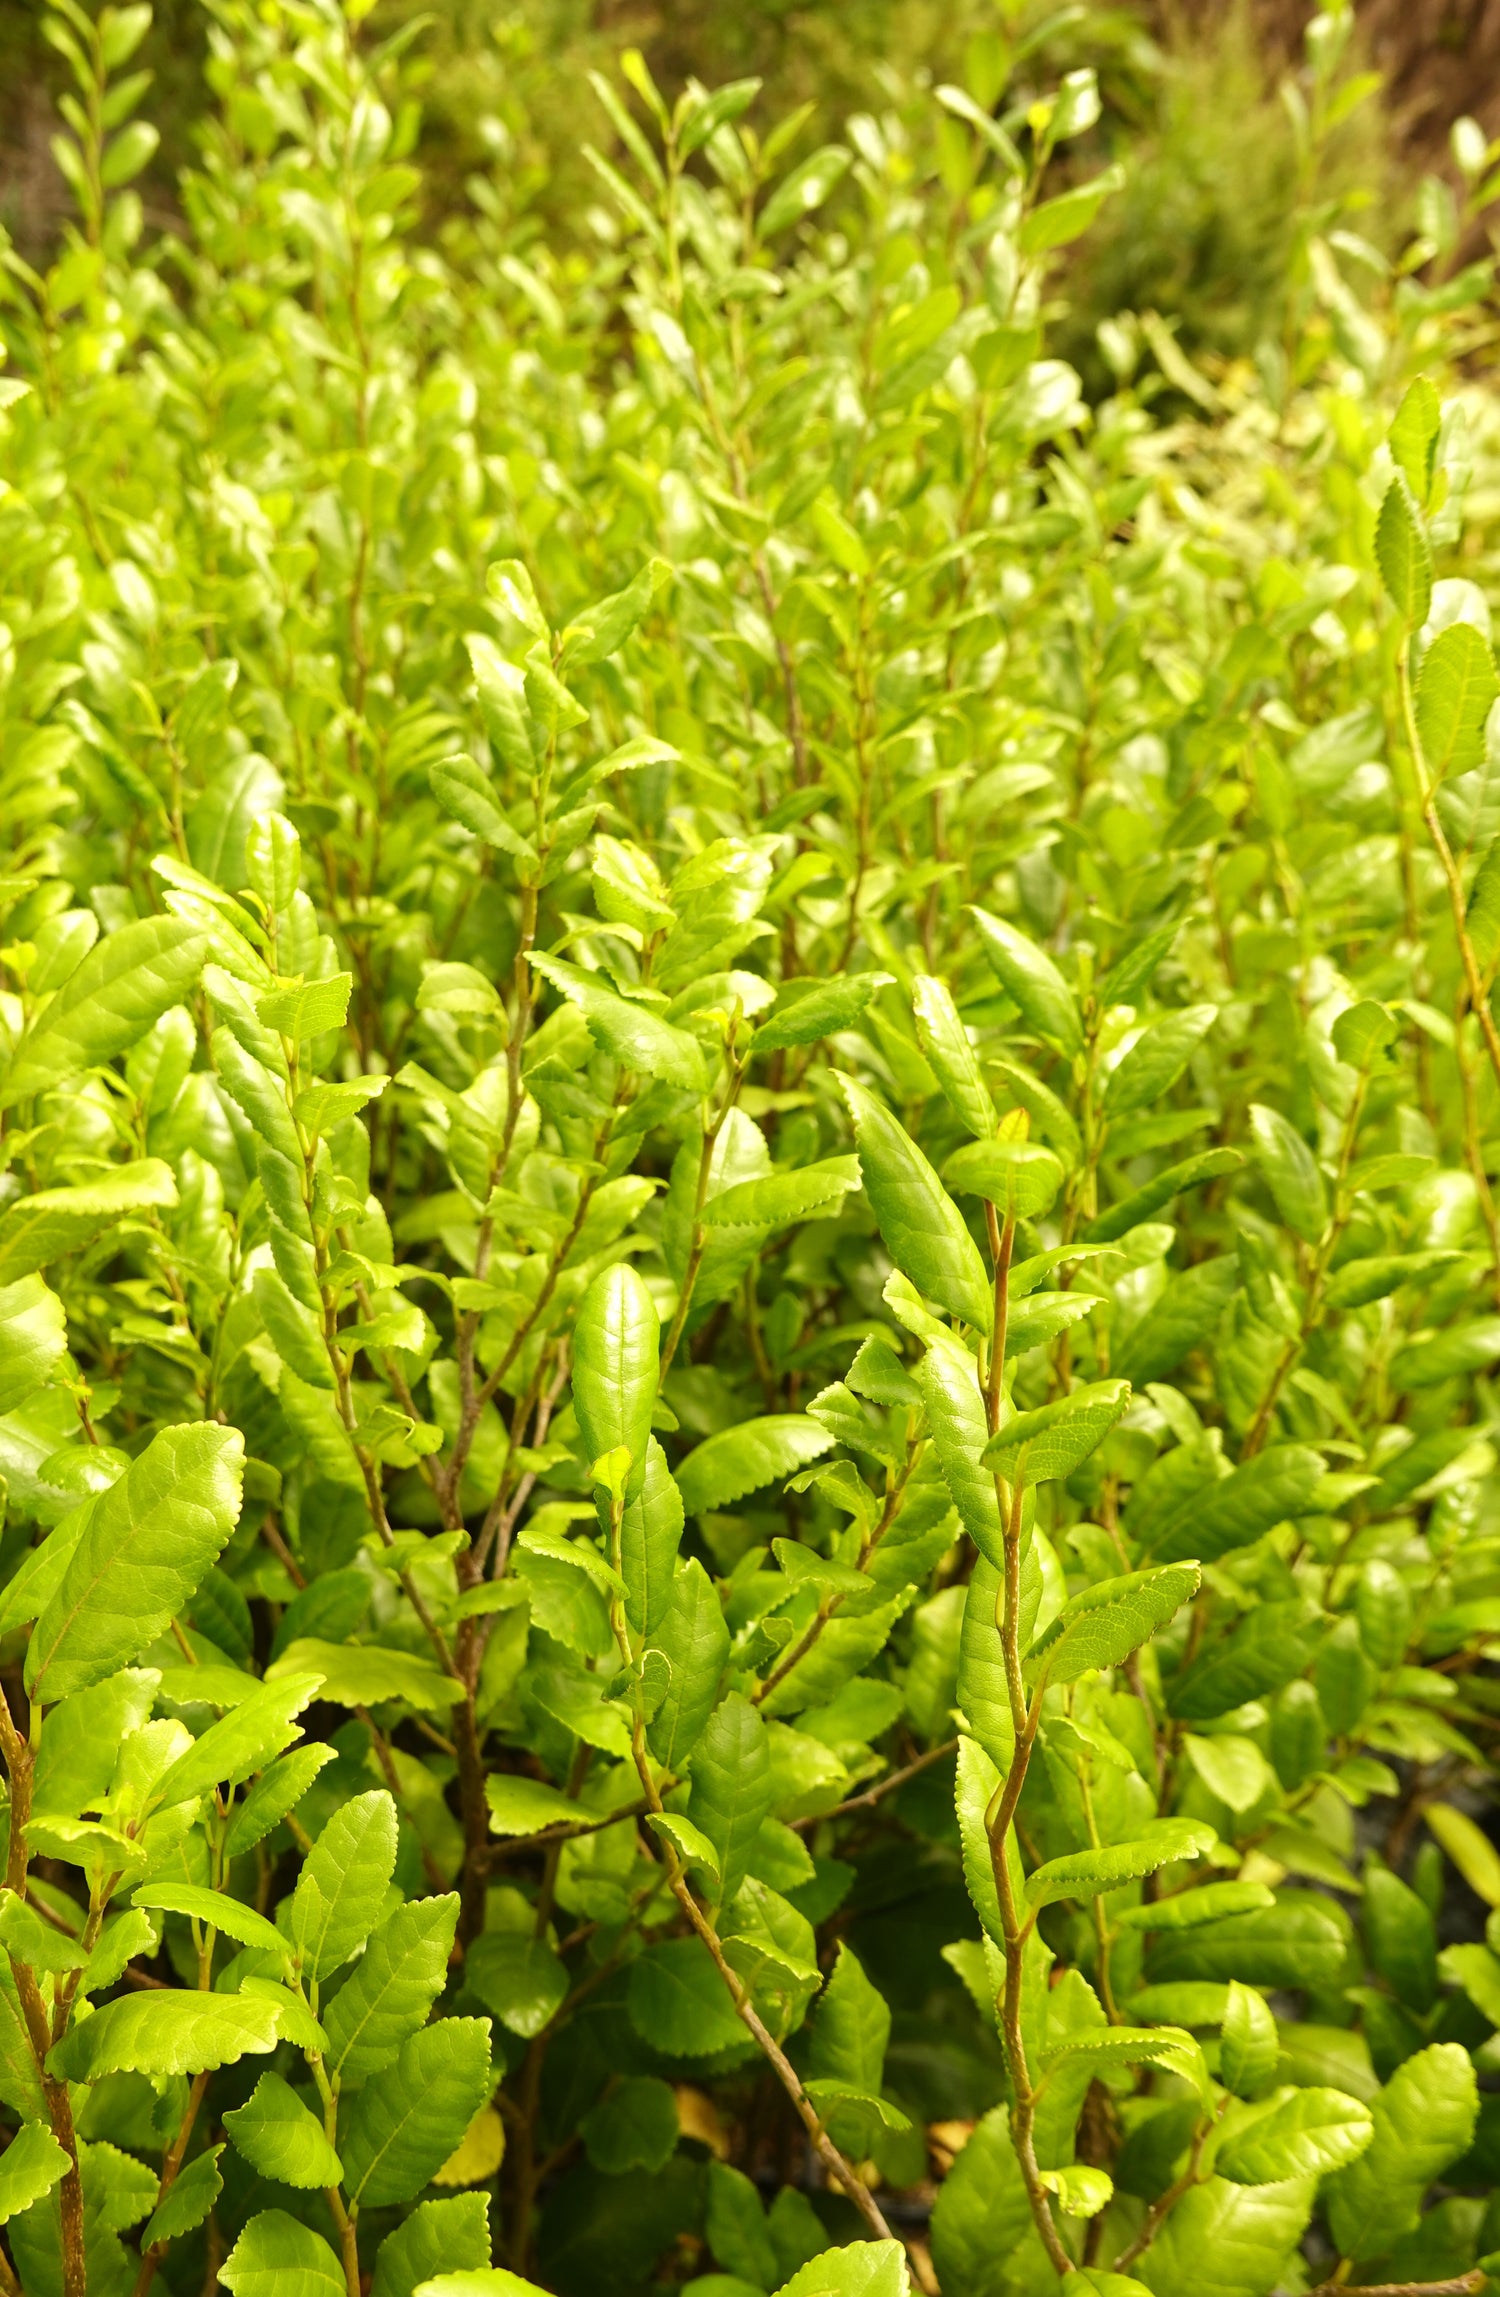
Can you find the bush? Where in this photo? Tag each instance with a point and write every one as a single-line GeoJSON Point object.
{"type": "Point", "coordinates": [749, 1269]}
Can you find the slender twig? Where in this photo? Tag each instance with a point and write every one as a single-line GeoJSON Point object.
{"type": "Point", "coordinates": [883, 1787]}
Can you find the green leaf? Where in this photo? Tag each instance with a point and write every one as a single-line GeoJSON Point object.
{"type": "Point", "coordinates": [365, 1674]}
{"type": "Point", "coordinates": [122, 988]}
{"type": "Point", "coordinates": [1362, 1032]}
{"type": "Point", "coordinates": [1058, 222]}
{"type": "Point", "coordinates": [492, 2281]}
{"type": "Point", "coordinates": [632, 1034]}
{"type": "Point", "coordinates": [869, 2269]}
{"type": "Point", "coordinates": [960, 1431]}
{"type": "Point", "coordinates": [690, 1842]}
{"type": "Point", "coordinates": [465, 791]}
{"type": "Point", "coordinates": [343, 1881]}
{"type": "Point", "coordinates": [1249, 2047]}
{"type": "Point", "coordinates": [951, 1058]}
{"type": "Point", "coordinates": [694, 1641]}
{"type": "Point", "coordinates": [1469, 1847]}
{"type": "Point", "coordinates": [976, 1784]}
{"type": "Point", "coordinates": [1467, 1347]}
{"type": "Point", "coordinates": [29, 1939]}
{"type": "Point", "coordinates": [635, 2127]}
{"type": "Point", "coordinates": [1401, 1937]}
{"type": "Point", "coordinates": [1298, 2133]}
{"type": "Point", "coordinates": [1031, 978]}
{"type": "Point", "coordinates": [31, 2165]}
{"type": "Point", "coordinates": [1265, 1650]}
{"type": "Point", "coordinates": [37, 1229]}
{"type": "Point", "coordinates": [1093, 2281]}
{"type": "Point", "coordinates": [1223, 2240]}
{"type": "Point", "coordinates": [165, 2032]}
{"type": "Point", "coordinates": [1156, 1060]}
{"type": "Point", "coordinates": [520, 1979]}
{"type": "Point", "coordinates": [1231, 1767]}
{"type": "Point", "coordinates": [277, 2257]}
{"type": "Point", "coordinates": [851, 2029]}
{"type": "Point", "coordinates": [784, 1198]}
{"type": "Point", "coordinates": [615, 1348]}
{"type": "Point", "coordinates": [1219, 1517]}
{"type": "Point", "coordinates": [1046, 1445]}
{"type": "Point", "coordinates": [215, 1910]}
{"type": "Point", "coordinates": [650, 1534]}
{"type": "Point", "coordinates": [1456, 690]}
{"type": "Point", "coordinates": [983, 1693]}
{"type": "Point", "coordinates": [187, 2202]}
{"type": "Point", "coordinates": [281, 2138]}
{"type": "Point", "coordinates": [1291, 1173]}
{"type": "Point", "coordinates": [804, 189]}
{"type": "Point", "coordinates": [1188, 1311]}
{"type": "Point", "coordinates": [818, 1009]}
{"type": "Point", "coordinates": [982, 2214]}
{"type": "Point", "coordinates": [679, 2003]}
{"type": "Point", "coordinates": [1021, 1178]}
{"type": "Point", "coordinates": [1403, 554]}
{"type": "Point", "coordinates": [1087, 1873]}
{"type": "Point", "coordinates": [525, 1806]}
{"type": "Point", "coordinates": [1414, 433]}
{"type": "Point", "coordinates": [392, 1987]}
{"type": "Point", "coordinates": [273, 1795]}
{"type": "Point", "coordinates": [1296, 1942]}
{"type": "Point", "coordinates": [603, 628]}
{"type": "Point", "coordinates": [307, 1008]}
{"type": "Point", "coordinates": [741, 1459]}
{"type": "Point", "coordinates": [145, 1545]}
{"type": "Point", "coordinates": [1424, 2119]}
{"type": "Point", "coordinates": [33, 1340]}
{"type": "Point", "coordinates": [437, 2233]}
{"type": "Point", "coordinates": [922, 1227]}
{"type": "Point", "coordinates": [242, 1741]}
{"type": "Point", "coordinates": [1102, 1625]}
{"type": "Point", "coordinates": [731, 1787]}
{"type": "Point", "coordinates": [400, 2131]}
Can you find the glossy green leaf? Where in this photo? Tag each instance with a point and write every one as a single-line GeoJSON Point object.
{"type": "Point", "coordinates": [1106, 1622]}
{"type": "Point", "coordinates": [1403, 554]}
{"type": "Point", "coordinates": [1291, 1173]}
{"type": "Point", "coordinates": [633, 1034]}
{"type": "Point", "coordinates": [615, 1347]}
{"type": "Point", "coordinates": [920, 1223]}
{"type": "Point", "coordinates": [1423, 2120]}
{"type": "Point", "coordinates": [399, 2131]}
{"type": "Point", "coordinates": [1300, 2133]}
{"type": "Point", "coordinates": [276, 2256]}
{"type": "Point", "coordinates": [436, 2234]}
{"type": "Point", "coordinates": [165, 2032]}
{"type": "Point", "coordinates": [1046, 1445]}
{"type": "Point", "coordinates": [391, 1988]}
{"type": "Point", "coordinates": [742, 1459]}
{"type": "Point", "coordinates": [1032, 979]}
{"type": "Point", "coordinates": [147, 1543]}
{"type": "Point", "coordinates": [338, 1895]}
{"type": "Point", "coordinates": [951, 1057]}
{"type": "Point", "coordinates": [128, 980]}
{"type": "Point", "coordinates": [281, 2138]}
{"type": "Point", "coordinates": [1085, 1873]}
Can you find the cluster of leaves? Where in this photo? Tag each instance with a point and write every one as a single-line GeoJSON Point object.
{"type": "Point", "coordinates": [749, 1276]}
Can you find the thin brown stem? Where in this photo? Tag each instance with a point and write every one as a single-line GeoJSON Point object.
{"type": "Point", "coordinates": [171, 2164]}
{"type": "Point", "coordinates": [878, 1792]}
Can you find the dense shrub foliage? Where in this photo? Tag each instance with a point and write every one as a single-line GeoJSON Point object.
{"type": "Point", "coordinates": [748, 1265]}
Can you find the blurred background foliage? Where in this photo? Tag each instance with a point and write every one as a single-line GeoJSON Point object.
{"type": "Point", "coordinates": [1207, 232]}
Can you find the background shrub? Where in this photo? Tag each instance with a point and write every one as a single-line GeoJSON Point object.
{"type": "Point", "coordinates": [748, 1261]}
